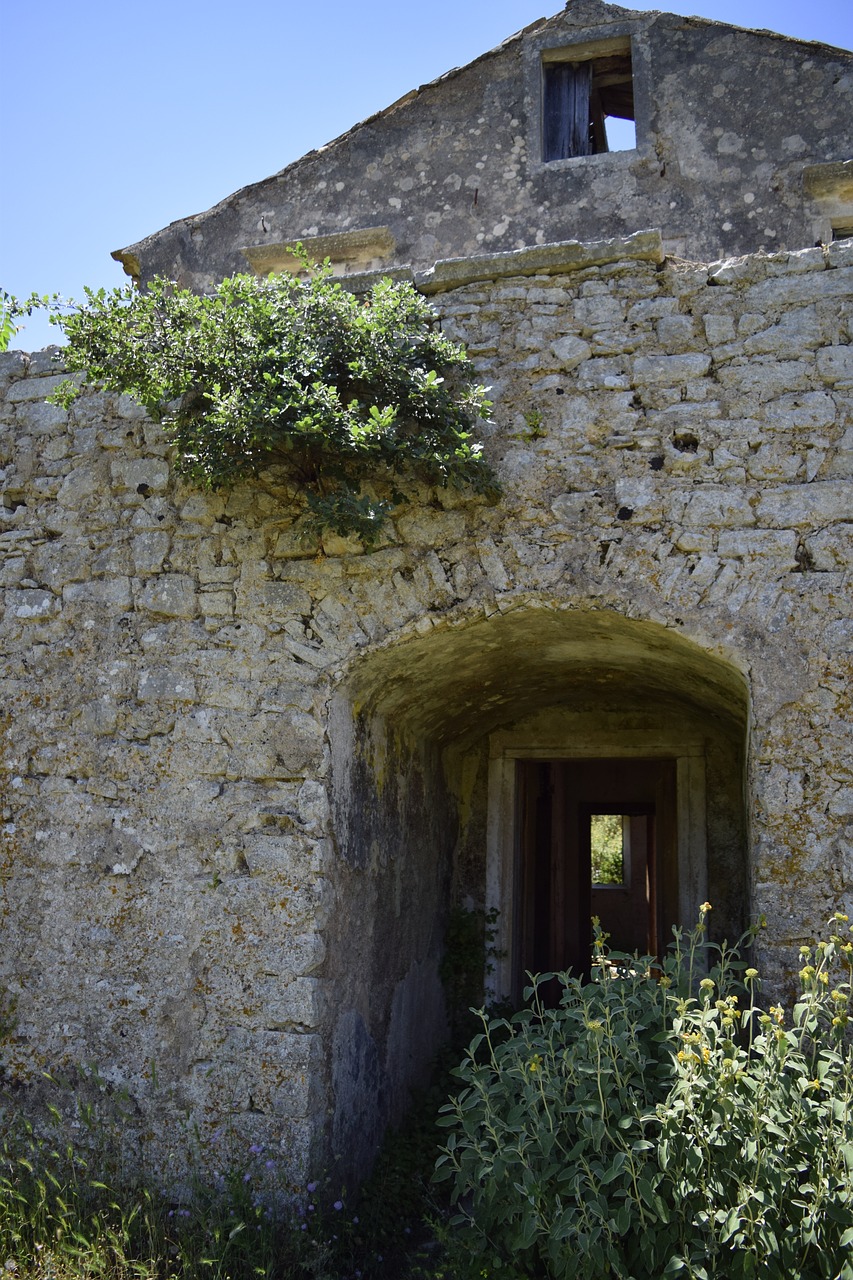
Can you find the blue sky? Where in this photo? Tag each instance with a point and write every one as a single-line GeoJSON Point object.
{"type": "Point", "coordinates": [120, 118]}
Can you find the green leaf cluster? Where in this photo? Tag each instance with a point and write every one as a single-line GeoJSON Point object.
{"type": "Point", "coordinates": [8, 328]}
{"type": "Point", "coordinates": [356, 401]}
{"type": "Point", "coordinates": [660, 1123]}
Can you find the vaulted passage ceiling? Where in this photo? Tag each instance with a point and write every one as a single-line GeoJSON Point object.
{"type": "Point", "coordinates": [461, 682]}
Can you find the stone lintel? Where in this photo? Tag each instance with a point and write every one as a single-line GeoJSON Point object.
{"type": "Point", "coordinates": [832, 181]}
{"type": "Point", "coordinates": [545, 259]}
{"type": "Point", "coordinates": [350, 249]}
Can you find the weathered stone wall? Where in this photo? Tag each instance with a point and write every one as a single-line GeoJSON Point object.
{"type": "Point", "coordinates": [239, 778]}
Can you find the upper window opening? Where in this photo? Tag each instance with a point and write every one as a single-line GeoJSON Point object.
{"type": "Point", "coordinates": [588, 100]}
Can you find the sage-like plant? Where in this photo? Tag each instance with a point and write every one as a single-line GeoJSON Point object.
{"type": "Point", "coordinates": [660, 1123]}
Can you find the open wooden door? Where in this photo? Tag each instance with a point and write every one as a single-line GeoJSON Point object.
{"type": "Point", "coordinates": [595, 837]}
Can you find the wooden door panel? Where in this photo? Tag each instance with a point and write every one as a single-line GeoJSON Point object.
{"type": "Point", "coordinates": [555, 896]}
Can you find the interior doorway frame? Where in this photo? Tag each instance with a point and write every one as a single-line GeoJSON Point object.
{"type": "Point", "coordinates": [502, 862]}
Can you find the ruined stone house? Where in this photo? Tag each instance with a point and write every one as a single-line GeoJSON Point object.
{"type": "Point", "coordinates": [243, 784]}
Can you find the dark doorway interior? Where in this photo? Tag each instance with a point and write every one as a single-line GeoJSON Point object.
{"type": "Point", "coordinates": [595, 838]}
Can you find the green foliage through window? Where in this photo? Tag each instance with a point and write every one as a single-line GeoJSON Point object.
{"type": "Point", "coordinates": [606, 845]}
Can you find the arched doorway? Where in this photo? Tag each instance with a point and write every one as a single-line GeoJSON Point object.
{"type": "Point", "coordinates": [465, 763]}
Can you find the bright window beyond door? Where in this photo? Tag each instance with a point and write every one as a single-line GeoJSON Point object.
{"type": "Point", "coordinates": [595, 838]}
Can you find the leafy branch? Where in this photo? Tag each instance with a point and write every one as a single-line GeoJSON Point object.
{"type": "Point", "coordinates": [356, 401]}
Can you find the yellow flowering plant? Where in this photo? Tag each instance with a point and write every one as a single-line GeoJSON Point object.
{"type": "Point", "coordinates": [660, 1122]}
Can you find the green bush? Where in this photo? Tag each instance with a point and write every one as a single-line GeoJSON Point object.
{"type": "Point", "coordinates": [353, 399]}
{"type": "Point", "coordinates": [660, 1123]}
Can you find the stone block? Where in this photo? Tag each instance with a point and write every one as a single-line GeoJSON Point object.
{"type": "Point", "coordinates": [799, 290]}
{"type": "Point", "coordinates": [780, 544]}
{"type": "Point", "coordinates": [173, 595]}
{"type": "Point", "coordinates": [676, 333]}
{"type": "Point", "coordinates": [13, 366]}
{"type": "Point", "coordinates": [570, 351]}
{"type": "Point", "coordinates": [669, 371]}
{"type": "Point", "coordinates": [107, 593]}
{"type": "Point", "coordinates": [577, 508]}
{"type": "Point", "coordinates": [809, 410]}
{"type": "Point", "coordinates": [773, 462]}
{"type": "Point", "coordinates": [59, 563]}
{"type": "Point", "coordinates": [140, 475]}
{"type": "Point", "coordinates": [40, 418]}
{"type": "Point", "coordinates": [718, 507]}
{"type": "Point", "coordinates": [300, 1002]}
{"type": "Point", "coordinates": [719, 329]}
{"type": "Point", "coordinates": [762, 379]}
{"type": "Point", "coordinates": [216, 604]}
{"type": "Point", "coordinates": [840, 253]}
{"type": "Point", "coordinates": [797, 332]}
{"type": "Point", "coordinates": [804, 506]}
{"type": "Point", "coordinates": [493, 565]}
{"type": "Point", "coordinates": [81, 483]}
{"type": "Point", "coordinates": [100, 717]}
{"type": "Point", "coordinates": [149, 551]}
{"type": "Point", "coordinates": [643, 498]}
{"type": "Point", "coordinates": [162, 684]}
{"type": "Point", "coordinates": [286, 600]}
{"type": "Point", "coordinates": [831, 548]}
{"type": "Point", "coordinates": [30, 389]}
{"type": "Point", "coordinates": [835, 365]}
{"type": "Point", "coordinates": [313, 805]}
{"type": "Point", "coordinates": [30, 604]}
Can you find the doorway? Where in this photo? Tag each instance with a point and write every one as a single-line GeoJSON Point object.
{"type": "Point", "coordinates": [594, 838]}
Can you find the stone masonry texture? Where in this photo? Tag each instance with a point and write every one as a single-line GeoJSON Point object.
{"type": "Point", "coordinates": [231, 831]}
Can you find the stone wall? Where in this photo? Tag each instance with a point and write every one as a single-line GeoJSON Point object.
{"type": "Point", "coordinates": [243, 775]}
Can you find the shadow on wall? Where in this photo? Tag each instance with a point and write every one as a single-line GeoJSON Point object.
{"type": "Point", "coordinates": [438, 744]}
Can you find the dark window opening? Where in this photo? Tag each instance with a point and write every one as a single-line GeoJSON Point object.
{"type": "Point", "coordinates": [588, 106]}
{"type": "Point", "coordinates": [842, 230]}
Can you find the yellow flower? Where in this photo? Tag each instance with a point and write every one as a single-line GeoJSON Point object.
{"type": "Point", "coordinates": [705, 908]}
{"type": "Point", "coordinates": [751, 975]}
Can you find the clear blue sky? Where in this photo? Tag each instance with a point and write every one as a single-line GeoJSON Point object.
{"type": "Point", "coordinates": [119, 118]}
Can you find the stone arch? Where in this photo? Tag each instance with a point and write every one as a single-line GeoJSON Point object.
{"type": "Point", "coordinates": [426, 733]}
